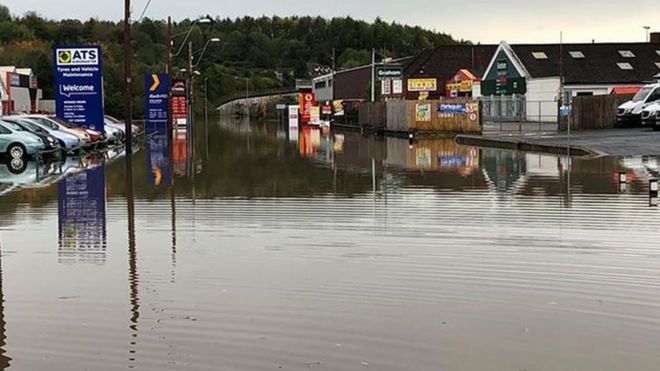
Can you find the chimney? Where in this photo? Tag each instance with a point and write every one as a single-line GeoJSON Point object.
{"type": "Point", "coordinates": [655, 38]}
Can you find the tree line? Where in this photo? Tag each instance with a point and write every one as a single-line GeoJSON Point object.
{"type": "Point", "coordinates": [271, 52]}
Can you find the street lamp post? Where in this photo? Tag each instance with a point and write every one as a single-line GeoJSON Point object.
{"type": "Point", "coordinates": [647, 29]}
{"type": "Point", "coordinates": [128, 98]}
{"type": "Point", "coordinates": [199, 59]}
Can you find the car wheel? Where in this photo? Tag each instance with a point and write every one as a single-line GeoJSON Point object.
{"type": "Point", "coordinates": [16, 150]}
{"type": "Point", "coordinates": [17, 166]}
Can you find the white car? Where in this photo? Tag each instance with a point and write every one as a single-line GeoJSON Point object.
{"type": "Point", "coordinates": [631, 111]}
{"type": "Point", "coordinates": [651, 115]}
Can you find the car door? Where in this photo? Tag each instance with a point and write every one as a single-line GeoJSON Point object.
{"type": "Point", "coordinates": [5, 138]}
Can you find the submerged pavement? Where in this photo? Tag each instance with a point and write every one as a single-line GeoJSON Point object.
{"type": "Point", "coordinates": [613, 142]}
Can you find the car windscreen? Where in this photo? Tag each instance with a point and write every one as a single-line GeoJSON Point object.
{"type": "Point", "coordinates": [43, 122]}
{"type": "Point", "coordinates": [12, 125]}
{"type": "Point", "coordinates": [63, 123]}
{"type": "Point", "coordinates": [32, 126]}
{"type": "Point", "coordinates": [642, 94]}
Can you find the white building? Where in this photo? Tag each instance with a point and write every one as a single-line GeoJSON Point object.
{"type": "Point", "coordinates": [532, 74]}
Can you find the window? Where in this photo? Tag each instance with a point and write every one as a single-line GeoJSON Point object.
{"type": "Point", "coordinates": [657, 52]}
{"type": "Point", "coordinates": [319, 85]}
{"type": "Point", "coordinates": [539, 55]}
{"type": "Point", "coordinates": [577, 54]}
{"type": "Point", "coordinates": [655, 96]}
{"type": "Point", "coordinates": [625, 66]}
{"type": "Point", "coordinates": [627, 53]}
{"type": "Point", "coordinates": [642, 94]}
{"type": "Point", "coordinates": [4, 130]}
{"type": "Point", "coordinates": [657, 64]}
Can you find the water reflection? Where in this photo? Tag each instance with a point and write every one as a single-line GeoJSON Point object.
{"type": "Point", "coordinates": [133, 275]}
{"type": "Point", "coordinates": [283, 254]}
{"type": "Point", "coordinates": [158, 151]}
{"type": "Point", "coordinates": [81, 214]}
{"type": "Point", "coordinates": [4, 359]}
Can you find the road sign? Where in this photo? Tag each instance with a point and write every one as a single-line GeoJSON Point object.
{"type": "Point", "coordinates": [180, 103]}
{"type": "Point", "coordinates": [389, 72]}
{"type": "Point", "coordinates": [294, 116]}
{"type": "Point", "coordinates": [307, 101]}
{"type": "Point", "coordinates": [78, 73]}
{"type": "Point", "coordinates": [156, 111]}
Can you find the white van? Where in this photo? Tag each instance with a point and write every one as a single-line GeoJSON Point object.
{"type": "Point", "coordinates": [631, 111]}
{"type": "Point", "coordinates": [651, 115]}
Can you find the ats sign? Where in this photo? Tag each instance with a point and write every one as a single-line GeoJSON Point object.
{"type": "Point", "coordinates": [78, 73]}
{"type": "Point", "coordinates": [77, 56]}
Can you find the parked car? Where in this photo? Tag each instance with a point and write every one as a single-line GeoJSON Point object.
{"type": "Point", "coordinates": [117, 131]}
{"type": "Point", "coordinates": [51, 144]}
{"type": "Point", "coordinates": [631, 111]}
{"type": "Point", "coordinates": [18, 143]}
{"type": "Point", "coordinates": [66, 141]}
{"type": "Point", "coordinates": [46, 121]}
{"type": "Point", "coordinates": [120, 124]}
{"type": "Point", "coordinates": [95, 136]}
{"type": "Point", "coordinates": [649, 115]}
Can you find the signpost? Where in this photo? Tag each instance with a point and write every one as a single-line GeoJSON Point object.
{"type": "Point", "coordinates": [157, 111]}
{"type": "Point", "coordinates": [78, 74]}
{"type": "Point", "coordinates": [389, 72]}
{"type": "Point", "coordinates": [307, 101]}
{"type": "Point", "coordinates": [423, 84]}
{"type": "Point", "coordinates": [293, 123]}
{"type": "Point", "coordinates": [180, 103]}
{"type": "Point", "coordinates": [156, 87]}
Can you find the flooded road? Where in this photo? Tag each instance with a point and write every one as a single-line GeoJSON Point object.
{"type": "Point", "coordinates": [259, 249]}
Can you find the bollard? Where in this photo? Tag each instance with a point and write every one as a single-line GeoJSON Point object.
{"type": "Point", "coordinates": [623, 177]}
{"type": "Point", "coordinates": [653, 193]}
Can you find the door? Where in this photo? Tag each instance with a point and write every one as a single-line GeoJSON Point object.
{"type": "Point", "coordinates": [5, 137]}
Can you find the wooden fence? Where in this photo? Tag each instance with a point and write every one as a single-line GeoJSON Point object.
{"type": "Point", "coordinates": [460, 115]}
{"type": "Point", "coordinates": [594, 112]}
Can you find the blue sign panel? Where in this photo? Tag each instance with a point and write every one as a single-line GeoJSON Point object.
{"type": "Point", "coordinates": [82, 216]}
{"type": "Point", "coordinates": [78, 73]}
{"type": "Point", "coordinates": [157, 108]}
{"type": "Point", "coordinates": [452, 109]}
{"type": "Point", "coordinates": [158, 155]}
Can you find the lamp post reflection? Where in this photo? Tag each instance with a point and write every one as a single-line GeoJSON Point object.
{"type": "Point", "coordinates": [4, 359]}
{"type": "Point", "coordinates": [132, 262]}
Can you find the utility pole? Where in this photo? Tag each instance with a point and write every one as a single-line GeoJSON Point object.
{"type": "Point", "coordinates": [170, 76]}
{"type": "Point", "coordinates": [373, 74]}
{"type": "Point", "coordinates": [192, 82]}
{"type": "Point", "coordinates": [206, 99]}
{"type": "Point", "coordinates": [247, 96]}
{"type": "Point", "coordinates": [128, 97]}
{"type": "Point", "coordinates": [334, 71]}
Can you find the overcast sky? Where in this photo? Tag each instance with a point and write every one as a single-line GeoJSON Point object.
{"type": "Point", "coordinates": [486, 21]}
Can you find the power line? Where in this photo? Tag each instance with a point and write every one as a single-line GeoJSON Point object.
{"type": "Point", "coordinates": [144, 11]}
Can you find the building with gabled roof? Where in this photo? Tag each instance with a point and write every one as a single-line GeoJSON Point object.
{"type": "Point", "coordinates": [535, 72]}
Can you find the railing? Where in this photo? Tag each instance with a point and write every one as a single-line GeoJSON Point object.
{"type": "Point", "coordinates": [258, 94]}
{"type": "Point", "coordinates": [516, 113]}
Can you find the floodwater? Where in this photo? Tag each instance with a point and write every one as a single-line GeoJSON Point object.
{"type": "Point", "coordinates": [260, 249]}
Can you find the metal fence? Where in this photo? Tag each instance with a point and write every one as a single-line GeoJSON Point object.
{"type": "Point", "coordinates": [519, 113]}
